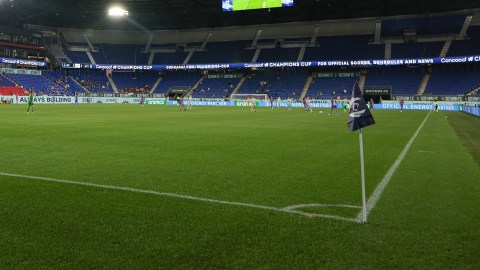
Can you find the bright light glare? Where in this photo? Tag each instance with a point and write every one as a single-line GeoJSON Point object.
{"type": "Point", "coordinates": [117, 11]}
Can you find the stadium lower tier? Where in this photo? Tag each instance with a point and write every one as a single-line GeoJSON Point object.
{"type": "Point", "coordinates": [279, 83]}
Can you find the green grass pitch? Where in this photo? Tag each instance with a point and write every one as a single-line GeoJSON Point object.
{"type": "Point", "coordinates": [426, 218]}
{"type": "Point", "coordinates": [255, 4]}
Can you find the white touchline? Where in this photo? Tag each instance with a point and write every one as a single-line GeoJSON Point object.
{"type": "Point", "coordinates": [372, 201]}
{"type": "Point", "coordinates": [289, 210]}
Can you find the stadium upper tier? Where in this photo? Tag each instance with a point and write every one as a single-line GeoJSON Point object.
{"type": "Point", "coordinates": [326, 48]}
{"type": "Point", "coordinates": [418, 50]}
{"type": "Point", "coordinates": [344, 48]}
{"type": "Point", "coordinates": [224, 52]}
{"type": "Point", "coordinates": [423, 26]}
{"type": "Point", "coordinates": [430, 37]}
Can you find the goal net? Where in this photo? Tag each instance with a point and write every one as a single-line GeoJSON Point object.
{"type": "Point", "coordinates": [245, 96]}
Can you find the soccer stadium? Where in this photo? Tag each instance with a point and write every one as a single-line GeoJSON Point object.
{"type": "Point", "coordinates": [236, 134]}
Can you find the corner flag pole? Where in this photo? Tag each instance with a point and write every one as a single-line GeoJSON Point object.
{"type": "Point", "coordinates": [358, 118]}
{"type": "Point", "coordinates": [362, 166]}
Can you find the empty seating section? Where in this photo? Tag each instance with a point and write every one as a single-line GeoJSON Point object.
{"type": "Point", "coordinates": [403, 80]}
{"type": "Point", "coordinates": [134, 81]}
{"type": "Point", "coordinates": [223, 52]}
{"type": "Point", "coordinates": [417, 50]}
{"type": "Point", "coordinates": [276, 83]}
{"type": "Point", "coordinates": [469, 46]}
{"type": "Point", "coordinates": [121, 54]}
{"type": "Point", "coordinates": [423, 26]}
{"type": "Point", "coordinates": [344, 48]}
{"type": "Point", "coordinates": [177, 78]}
{"type": "Point", "coordinates": [279, 55]}
{"type": "Point", "coordinates": [12, 90]}
{"type": "Point", "coordinates": [37, 83]}
{"type": "Point", "coordinates": [215, 88]}
{"type": "Point", "coordinates": [169, 58]}
{"type": "Point", "coordinates": [5, 81]}
{"type": "Point", "coordinates": [453, 79]}
{"type": "Point", "coordinates": [99, 57]}
{"type": "Point", "coordinates": [61, 78]}
{"type": "Point", "coordinates": [328, 87]}
{"type": "Point", "coordinates": [93, 80]}
{"type": "Point", "coordinates": [78, 57]}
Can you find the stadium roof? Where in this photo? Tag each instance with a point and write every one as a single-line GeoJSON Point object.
{"type": "Point", "coordinates": [187, 14]}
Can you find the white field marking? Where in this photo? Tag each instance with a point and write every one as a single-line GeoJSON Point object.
{"type": "Point", "coordinates": [245, 7]}
{"type": "Point", "coordinates": [180, 196]}
{"type": "Point", "coordinates": [372, 201]}
{"type": "Point", "coordinates": [291, 207]}
{"type": "Point", "coordinates": [430, 152]}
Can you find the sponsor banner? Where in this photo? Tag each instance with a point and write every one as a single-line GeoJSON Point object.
{"type": "Point", "coordinates": [377, 91]}
{"type": "Point", "coordinates": [82, 100]}
{"type": "Point", "coordinates": [329, 63]}
{"type": "Point", "coordinates": [204, 102]}
{"type": "Point", "coordinates": [417, 106]}
{"type": "Point", "coordinates": [471, 110]}
{"type": "Point", "coordinates": [21, 71]}
{"type": "Point", "coordinates": [22, 62]}
{"type": "Point", "coordinates": [155, 101]}
{"type": "Point", "coordinates": [319, 104]}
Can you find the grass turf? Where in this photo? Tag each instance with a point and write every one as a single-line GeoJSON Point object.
{"type": "Point", "coordinates": [255, 4]}
{"type": "Point", "coordinates": [426, 218]}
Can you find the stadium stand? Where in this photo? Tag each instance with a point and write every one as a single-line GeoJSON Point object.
{"type": "Point", "coordinates": [328, 87]}
{"type": "Point", "coordinates": [223, 52]}
{"type": "Point", "coordinates": [61, 78]}
{"type": "Point", "coordinates": [470, 46]}
{"type": "Point", "coordinates": [40, 84]}
{"type": "Point", "coordinates": [278, 55]}
{"type": "Point", "coordinates": [417, 50]}
{"type": "Point", "coordinates": [78, 57]}
{"type": "Point", "coordinates": [423, 26]}
{"type": "Point", "coordinates": [276, 83]}
{"type": "Point", "coordinates": [169, 58]}
{"type": "Point", "coordinates": [453, 79]}
{"type": "Point", "coordinates": [5, 81]}
{"type": "Point", "coordinates": [9, 90]}
{"type": "Point", "coordinates": [93, 80]}
{"type": "Point", "coordinates": [215, 88]}
{"type": "Point", "coordinates": [120, 54]}
{"type": "Point", "coordinates": [177, 78]}
{"type": "Point", "coordinates": [134, 82]}
{"type": "Point", "coordinates": [403, 80]}
{"type": "Point", "coordinates": [344, 48]}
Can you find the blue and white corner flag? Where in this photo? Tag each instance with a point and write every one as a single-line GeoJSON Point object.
{"type": "Point", "coordinates": [359, 116]}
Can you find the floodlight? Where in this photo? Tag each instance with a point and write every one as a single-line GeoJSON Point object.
{"type": "Point", "coordinates": [117, 11]}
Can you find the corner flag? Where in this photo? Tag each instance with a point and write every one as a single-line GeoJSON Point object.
{"type": "Point", "coordinates": [359, 115]}
{"type": "Point", "coordinates": [358, 118]}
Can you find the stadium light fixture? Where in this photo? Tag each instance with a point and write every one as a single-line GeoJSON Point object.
{"type": "Point", "coordinates": [117, 12]}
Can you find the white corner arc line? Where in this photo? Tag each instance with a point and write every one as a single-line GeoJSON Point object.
{"type": "Point", "coordinates": [180, 196]}
{"type": "Point", "coordinates": [373, 199]}
{"type": "Point", "coordinates": [291, 207]}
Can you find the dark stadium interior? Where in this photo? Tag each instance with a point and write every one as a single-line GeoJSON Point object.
{"type": "Point", "coordinates": [186, 14]}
